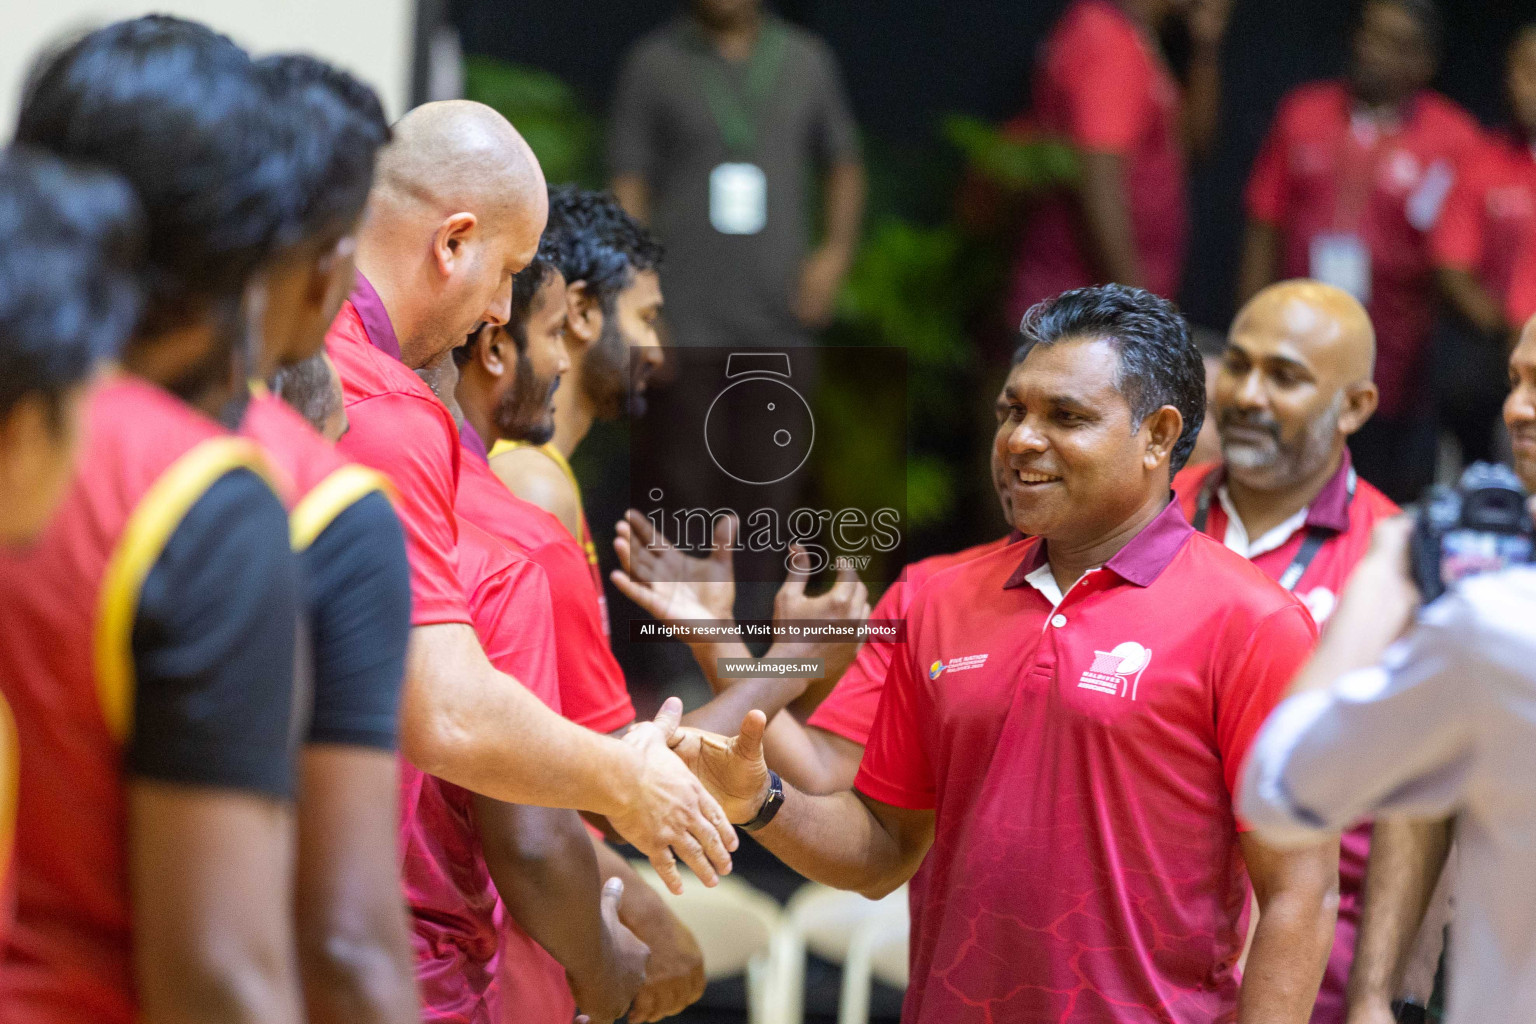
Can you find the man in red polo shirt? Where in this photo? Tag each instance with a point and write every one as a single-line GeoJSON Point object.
{"type": "Point", "coordinates": [1294, 383]}
{"type": "Point", "coordinates": [1062, 736]}
{"type": "Point", "coordinates": [457, 208]}
{"type": "Point", "coordinates": [1346, 190]}
{"type": "Point", "coordinates": [1104, 88]}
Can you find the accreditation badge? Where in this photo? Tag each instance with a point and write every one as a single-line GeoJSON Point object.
{"type": "Point", "coordinates": [1343, 261]}
{"type": "Point", "coordinates": [738, 199]}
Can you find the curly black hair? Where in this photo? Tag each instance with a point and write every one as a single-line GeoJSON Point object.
{"type": "Point", "coordinates": [332, 128]}
{"type": "Point", "coordinates": [590, 238]}
{"type": "Point", "coordinates": [1159, 364]}
{"type": "Point", "coordinates": [179, 111]}
{"type": "Point", "coordinates": [70, 243]}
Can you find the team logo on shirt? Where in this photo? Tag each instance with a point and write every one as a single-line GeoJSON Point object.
{"type": "Point", "coordinates": [1117, 672]}
{"type": "Point", "coordinates": [961, 664]}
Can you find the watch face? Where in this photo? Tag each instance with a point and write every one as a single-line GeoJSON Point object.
{"type": "Point", "coordinates": [759, 430]}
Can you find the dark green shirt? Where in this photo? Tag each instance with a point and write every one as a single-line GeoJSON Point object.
{"type": "Point", "coordinates": [729, 289]}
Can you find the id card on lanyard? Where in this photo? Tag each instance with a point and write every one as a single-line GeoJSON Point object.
{"type": "Point", "coordinates": [1316, 536]}
{"type": "Point", "coordinates": [1341, 257]}
{"type": "Point", "coordinates": [738, 187]}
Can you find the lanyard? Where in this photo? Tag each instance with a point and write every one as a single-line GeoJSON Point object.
{"type": "Point", "coordinates": [736, 112]}
{"type": "Point", "coordinates": [1316, 537]}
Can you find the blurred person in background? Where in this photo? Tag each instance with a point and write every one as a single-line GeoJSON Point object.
{"type": "Point", "coordinates": [1294, 384]}
{"type": "Point", "coordinates": [1102, 86]}
{"type": "Point", "coordinates": [1408, 855]}
{"type": "Point", "coordinates": [457, 207]}
{"type": "Point", "coordinates": [68, 301]}
{"type": "Point", "coordinates": [1046, 808]}
{"type": "Point", "coordinates": [156, 703]}
{"type": "Point", "coordinates": [719, 120]}
{"type": "Point", "coordinates": [1485, 254]}
{"type": "Point", "coordinates": [1346, 190]}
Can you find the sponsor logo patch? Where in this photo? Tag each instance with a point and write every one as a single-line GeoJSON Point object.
{"type": "Point", "coordinates": [1117, 672]}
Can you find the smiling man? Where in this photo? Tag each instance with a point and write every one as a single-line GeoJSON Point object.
{"type": "Point", "coordinates": [1061, 736]}
{"type": "Point", "coordinates": [1294, 384]}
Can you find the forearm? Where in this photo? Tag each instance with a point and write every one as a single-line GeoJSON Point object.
{"type": "Point", "coordinates": [1289, 955]}
{"type": "Point", "coordinates": [845, 190]}
{"type": "Point", "coordinates": [836, 840]}
{"type": "Point", "coordinates": [708, 656]}
{"type": "Point", "coordinates": [812, 760]}
{"type": "Point", "coordinates": [1261, 251]}
{"type": "Point", "coordinates": [769, 694]}
{"type": "Point", "coordinates": [353, 936]}
{"type": "Point", "coordinates": [1407, 857]}
{"type": "Point", "coordinates": [1107, 218]}
{"type": "Point", "coordinates": [1202, 99]}
{"type": "Point", "coordinates": [463, 721]}
{"type": "Point", "coordinates": [1470, 299]}
{"type": "Point", "coordinates": [546, 872]}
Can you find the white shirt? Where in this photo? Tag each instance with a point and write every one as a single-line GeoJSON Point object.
{"type": "Point", "coordinates": [1236, 538]}
{"type": "Point", "coordinates": [1444, 724]}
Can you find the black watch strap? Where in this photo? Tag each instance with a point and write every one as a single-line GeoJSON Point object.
{"type": "Point", "coordinates": [771, 805]}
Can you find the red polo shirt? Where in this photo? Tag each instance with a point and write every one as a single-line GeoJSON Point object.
{"type": "Point", "coordinates": [1081, 761]}
{"type": "Point", "coordinates": [1489, 225]}
{"type": "Point", "coordinates": [397, 426]}
{"type": "Point", "coordinates": [1321, 176]}
{"type": "Point", "coordinates": [455, 929]}
{"type": "Point", "coordinates": [1345, 511]}
{"type": "Point", "coordinates": [1102, 87]}
{"type": "Point", "coordinates": [849, 710]}
{"type": "Point", "coordinates": [593, 692]}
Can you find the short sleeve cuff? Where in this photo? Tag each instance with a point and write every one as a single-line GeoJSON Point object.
{"type": "Point", "coordinates": [885, 792]}
{"type": "Point", "coordinates": [1268, 803]}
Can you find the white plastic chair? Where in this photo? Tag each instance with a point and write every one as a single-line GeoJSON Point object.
{"type": "Point", "coordinates": [735, 925]}
{"type": "Point", "coordinates": [823, 921]}
{"type": "Point", "coordinates": [878, 950]}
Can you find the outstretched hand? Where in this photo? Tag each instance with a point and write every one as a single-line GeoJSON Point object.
{"type": "Point", "coordinates": [669, 584]}
{"type": "Point", "coordinates": [847, 603]}
{"type": "Point", "coordinates": [732, 769]}
{"type": "Point", "coordinates": [668, 813]}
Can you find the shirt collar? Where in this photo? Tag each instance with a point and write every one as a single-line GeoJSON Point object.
{"type": "Point", "coordinates": [1140, 562]}
{"type": "Point", "coordinates": [470, 439]}
{"type": "Point", "coordinates": [1329, 510]}
{"type": "Point", "coordinates": [375, 318]}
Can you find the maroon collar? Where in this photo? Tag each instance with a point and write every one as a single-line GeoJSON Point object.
{"type": "Point", "coordinates": [1329, 510]}
{"type": "Point", "coordinates": [1139, 562]}
{"type": "Point", "coordinates": [470, 438]}
{"type": "Point", "coordinates": [375, 318]}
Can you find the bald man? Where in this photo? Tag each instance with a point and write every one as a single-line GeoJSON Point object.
{"type": "Point", "coordinates": [457, 208]}
{"type": "Point", "coordinates": [1294, 384]}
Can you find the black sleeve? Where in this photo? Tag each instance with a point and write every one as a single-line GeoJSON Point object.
{"type": "Point", "coordinates": [214, 647]}
{"type": "Point", "coordinates": [358, 592]}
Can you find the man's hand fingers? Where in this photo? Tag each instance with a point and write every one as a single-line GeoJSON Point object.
{"type": "Point", "coordinates": [649, 601]}
{"type": "Point", "coordinates": [666, 868]}
{"type": "Point", "coordinates": [669, 718]}
{"type": "Point", "coordinates": [720, 830]}
{"type": "Point", "coordinates": [644, 530]}
{"type": "Point", "coordinates": [749, 744]}
{"type": "Point", "coordinates": [693, 855]}
{"type": "Point", "coordinates": [726, 529]}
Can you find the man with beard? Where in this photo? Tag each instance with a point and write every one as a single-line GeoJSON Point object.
{"type": "Point", "coordinates": [1294, 384]}
{"type": "Point", "coordinates": [1067, 720]}
{"type": "Point", "coordinates": [457, 207]}
{"type": "Point", "coordinates": [1346, 191]}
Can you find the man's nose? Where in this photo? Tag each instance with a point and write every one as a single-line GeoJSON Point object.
{"type": "Point", "coordinates": [1024, 439]}
{"type": "Point", "coordinates": [500, 309]}
{"type": "Point", "coordinates": [1250, 393]}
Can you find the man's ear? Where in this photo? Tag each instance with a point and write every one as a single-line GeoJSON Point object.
{"type": "Point", "coordinates": [450, 240]}
{"type": "Point", "coordinates": [490, 349]}
{"type": "Point", "coordinates": [1163, 428]}
{"type": "Point", "coordinates": [583, 312]}
{"type": "Point", "coordinates": [1359, 406]}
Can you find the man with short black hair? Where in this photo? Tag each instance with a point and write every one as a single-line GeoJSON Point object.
{"type": "Point", "coordinates": [1067, 723]}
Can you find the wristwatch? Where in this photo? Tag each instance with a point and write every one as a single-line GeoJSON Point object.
{"type": "Point", "coordinates": [771, 804]}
